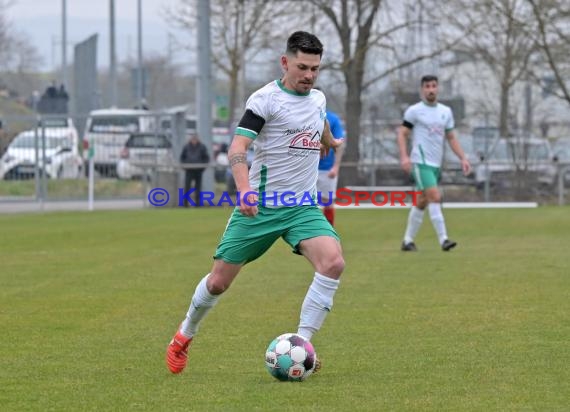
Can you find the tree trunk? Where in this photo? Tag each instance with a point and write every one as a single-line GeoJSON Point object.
{"type": "Point", "coordinates": [504, 110]}
{"type": "Point", "coordinates": [353, 107]}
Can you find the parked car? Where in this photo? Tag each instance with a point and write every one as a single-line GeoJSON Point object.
{"type": "Point", "coordinates": [387, 153]}
{"type": "Point", "coordinates": [536, 156]}
{"type": "Point", "coordinates": [221, 135]}
{"type": "Point", "coordinates": [62, 126]}
{"type": "Point", "coordinates": [452, 172]}
{"type": "Point", "coordinates": [531, 156]}
{"type": "Point", "coordinates": [106, 133]}
{"type": "Point", "coordinates": [191, 124]}
{"type": "Point", "coordinates": [221, 140]}
{"type": "Point", "coordinates": [62, 159]}
{"type": "Point", "coordinates": [561, 151]}
{"type": "Point", "coordinates": [380, 161]}
{"type": "Point", "coordinates": [142, 153]}
{"type": "Point", "coordinates": [484, 135]}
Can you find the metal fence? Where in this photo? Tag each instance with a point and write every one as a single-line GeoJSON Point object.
{"type": "Point", "coordinates": [46, 158]}
{"type": "Point", "coordinates": [513, 186]}
{"type": "Point", "coordinates": [120, 155]}
{"type": "Point", "coordinates": [514, 169]}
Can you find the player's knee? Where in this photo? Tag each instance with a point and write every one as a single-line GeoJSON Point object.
{"type": "Point", "coordinates": [217, 284]}
{"type": "Point", "coordinates": [422, 203]}
{"type": "Point", "coordinates": [334, 267]}
{"type": "Point", "coordinates": [435, 198]}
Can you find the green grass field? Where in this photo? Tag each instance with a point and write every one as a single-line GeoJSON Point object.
{"type": "Point", "coordinates": [75, 188]}
{"type": "Point", "coordinates": [89, 301]}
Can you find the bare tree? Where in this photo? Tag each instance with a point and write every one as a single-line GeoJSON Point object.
{"type": "Point", "coordinates": [240, 29]}
{"type": "Point", "coordinates": [5, 29]}
{"type": "Point", "coordinates": [364, 28]}
{"type": "Point", "coordinates": [25, 56]}
{"type": "Point", "coordinates": [553, 37]}
{"type": "Point", "coordinates": [499, 34]}
{"type": "Point", "coordinates": [165, 84]}
{"type": "Point", "coordinates": [16, 51]}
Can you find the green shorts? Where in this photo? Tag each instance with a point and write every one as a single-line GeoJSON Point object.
{"type": "Point", "coordinates": [247, 238]}
{"type": "Point", "coordinates": [425, 176]}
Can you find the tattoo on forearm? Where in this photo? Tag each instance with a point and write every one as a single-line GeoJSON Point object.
{"type": "Point", "coordinates": [238, 158]}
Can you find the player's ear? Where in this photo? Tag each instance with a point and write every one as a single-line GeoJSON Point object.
{"type": "Point", "coordinates": [284, 62]}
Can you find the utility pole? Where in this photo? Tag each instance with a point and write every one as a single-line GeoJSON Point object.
{"type": "Point", "coordinates": [528, 108]}
{"type": "Point", "coordinates": [204, 103]}
{"type": "Point", "coordinates": [242, 78]}
{"type": "Point", "coordinates": [112, 60]}
{"type": "Point", "coordinates": [170, 49]}
{"type": "Point", "coordinates": [64, 43]}
{"type": "Point", "coordinates": [140, 84]}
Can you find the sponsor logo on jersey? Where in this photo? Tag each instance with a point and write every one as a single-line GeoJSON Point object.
{"type": "Point", "coordinates": [306, 143]}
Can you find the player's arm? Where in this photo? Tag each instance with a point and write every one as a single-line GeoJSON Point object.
{"type": "Point", "coordinates": [338, 133]}
{"type": "Point", "coordinates": [338, 157]}
{"type": "Point", "coordinates": [451, 137]}
{"type": "Point", "coordinates": [403, 135]}
{"type": "Point", "coordinates": [248, 128]}
{"type": "Point", "coordinates": [328, 141]}
{"type": "Point", "coordinates": [336, 166]}
{"type": "Point", "coordinates": [237, 155]}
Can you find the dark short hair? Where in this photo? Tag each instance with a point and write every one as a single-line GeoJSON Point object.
{"type": "Point", "coordinates": [305, 43]}
{"type": "Point", "coordinates": [429, 78]}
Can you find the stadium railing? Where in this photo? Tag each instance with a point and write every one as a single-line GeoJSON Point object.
{"type": "Point", "coordinates": [55, 168]}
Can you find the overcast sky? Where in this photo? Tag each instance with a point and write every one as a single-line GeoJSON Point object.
{"type": "Point", "coordinates": [41, 21]}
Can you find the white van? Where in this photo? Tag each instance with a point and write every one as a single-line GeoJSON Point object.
{"type": "Point", "coordinates": [106, 133]}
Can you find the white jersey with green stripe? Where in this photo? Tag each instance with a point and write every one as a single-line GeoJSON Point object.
{"type": "Point", "coordinates": [287, 149]}
{"type": "Point", "coordinates": [430, 125]}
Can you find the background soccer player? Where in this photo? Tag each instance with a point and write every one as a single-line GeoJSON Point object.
{"type": "Point", "coordinates": [329, 167]}
{"type": "Point", "coordinates": [431, 124]}
{"type": "Point", "coordinates": [286, 118]}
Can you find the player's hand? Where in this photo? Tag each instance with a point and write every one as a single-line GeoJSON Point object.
{"type": "Point", "coordinates": [248, 202]}
{"type": "Point", "coordinates": [336, 143]}
{"type": "Point", "coordinates": [328, 141]}
{"type": "Point", "coordinates": [406, 164]}
{"type": "Point", "coordinates": [466, 166]}
{"type": "Point", "coordinates": [327, 146]}
{"type": "Point", "coordinates": [333, 172]}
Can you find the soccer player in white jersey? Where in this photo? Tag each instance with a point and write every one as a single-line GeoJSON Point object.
{"type": "Point", "coordinates": [431, 124]}
{"type": "Point", "coordinates": [286, 119]}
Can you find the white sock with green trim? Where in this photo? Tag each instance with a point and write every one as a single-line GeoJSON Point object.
{"type": "Point", "coordinates": [438, 221]}
{"type": "Point", "coordinates": [317, 304]}
{"type": "Point", "coordinates": [415, 219]}
{"type": "Point", "coordinates": [201, 303]}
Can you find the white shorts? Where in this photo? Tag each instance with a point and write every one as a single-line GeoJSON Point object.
{"type": "Point", "coordinates": [326, 184]}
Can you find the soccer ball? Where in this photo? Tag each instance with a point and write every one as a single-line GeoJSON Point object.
{"type": "Point", "coordinates": [290, 357]}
